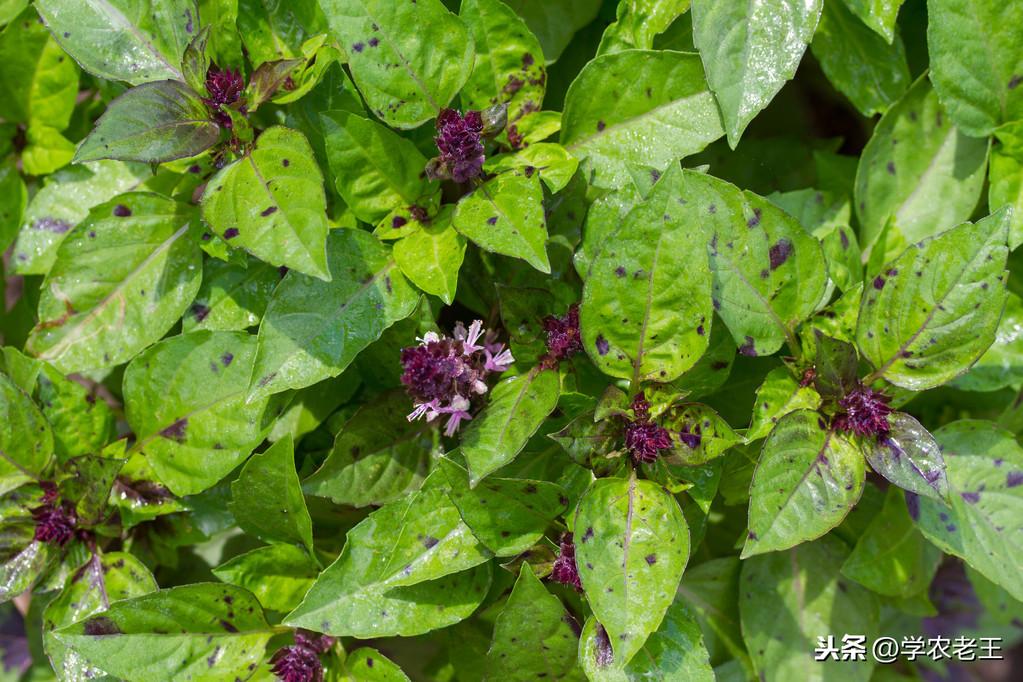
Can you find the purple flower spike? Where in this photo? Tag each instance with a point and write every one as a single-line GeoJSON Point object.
{"type": "Point", "coordinates": [564, 570]}
{"type": "Point", "coordinates": [458, 139]}
{"type": "Point", "coordinates": [300, 662]}
{"type": "Point", "coordinates": [643, 438]}
{"type": "Point", "coordinates": [443, 375]}
{"type": "Point", "coordinates": [563, 336]}
{"type": "Point", "coordinates": [224, 87]}
{"type": "Point", "coordinates": [55, 522]}
{"type": "Point", "coordinates": [865, 413]}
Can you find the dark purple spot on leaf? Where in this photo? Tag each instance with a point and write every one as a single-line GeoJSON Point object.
{"type": "Point", "coordinates": [358, 47]}
{"type": "Point", "coordinates": [492, 220]}
{"type": "Point", "coordinates": [755, 220]}
{"type": "Point", "coordinates": [971, 497]}
{"type": "Point", "coordinates": [747, 348]}
{"type": "Point", "coordinates": [122, 211]}
{"type": "Point", "coordinates": [1013, 479]}
{"type": "Point", "coordinates": [176, 431]}
{"type": "Point", "coordinates": [99, 626]}
{"type": "Point", "coordinates": [879, 282]}
{"type": "Point", "coordinates": [602, 345]}
{"type": "Point", "coordinates": [269, 210]}
{"type": "Point", "coordinates": [231, 233]}
{"type": "Point", "coordinates": [601, 125]}
{"type": "Point", "coordinates": [780, 252]}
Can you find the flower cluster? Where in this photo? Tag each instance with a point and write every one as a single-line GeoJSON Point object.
{"type": "Point", "coordinates": [55, 521]}
{"type": "Point", "coordinates": [224, 87]}
{"type": "Point", "coordinates": [461, 147]}
{"type": "Point", "coordinates": [865, 413]}
{"type": "Point", "coordinates": [643, 438]}
{"type": "Point", "coordinates": [300, 662]}
{"type": "Point", "coordinates": [563, 336]}
{"type": "Point", "coordinates": [564, 570]}
{"type": "Point", "coordinates": [443, 375]}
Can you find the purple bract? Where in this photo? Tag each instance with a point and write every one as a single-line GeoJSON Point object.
{"type": "Point", "coordinates": [564, 570]}
{"type": "Point", "coordinates": [563, 337]}
{"type": "Point", "coordinates": [224, 87]}
{"type": "Point", "coordinates": [458, 139]}
{"type": "Point", "coordinates": [300, 662]}
{"type": "Point", "coordinates": [55, 522]}
{"type": "Point", "coordinates": [643, 438]}
{"type": "Point", "coordinates": [865, 413]}
{"type": "Point", "coordinates": [443, 375]}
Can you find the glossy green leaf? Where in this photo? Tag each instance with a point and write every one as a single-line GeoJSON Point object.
{"type": "Point", "coordinates": [313, 329]}
{"type": "Point", "coordinates": [715, 435]}
{"type": "Point", "coordinates": [749, 51]}
{"type": "Point", "coordinates": [406, 74]}
{"type": "Point", "coordinates": [891, 557]}
{"type": "Point", "coordinates": [378, 456]}
{"type": "Point", "coordinates": [92, 589]}
{"type": "Point", "coordinates": [638, 22]}
{"type": "Point", "coordinates": [272, 204]}
{"type": "Point", "coordinates": [375, 170]}
{"type": "Point", "coordinates": [632, 544]}
{"type": "Point", "coordinates": [118, 284]}
{"type": "Point", "coordinates": [39, 80]}
{"type": "Point", "coordinates": [807, 480]}
{"type": "Point", "coordinates": [533, 620]}
{"type": "Point", "coordinates": [909, 457]}
{"type": "Point", "coordinates": [123, 39]}
{"type": "Point", "coordinates": [369, 665]}
{"type": "Point", "coordinates": [23, 458]}
{"type": "Point", "coordinates": [918, 171]}
{"type": "Point", "coordinates": [646, 312]}
{"type": "Point", "coordinates": [82, 422]}
{"type": "Point", "coordinates": [879, 15]}
{"type": "Point", "coordinates": [63, 202]}
{"type": "Point", "coordinates": [185, 400]}
{"type": "Point", "coordinates": [858, 61]}
{"type": "Point", "coordinates": [920, 325]}
{"type": "Point", "coordinates": [506, 216]}
{"type": "Point", "coordinates": [777, 396]}
{"type": "Point", "coordinates": [711, 591]}
{"type": "Point", "coordinates": [279, 575]}
{"type": "Point", "coordinates": [232, 297]}
{"type": "Point", "coordinates": [788, 599]}
{"type": "Point", "coordinates": [644, 107]}
{"type": "Point", "coordinates": [1005, 178]}
{"type": "Point", "coordinates": [552, 161]}
{"type": "Point", "coordinates": [1001, 365]}
{"type": "Point", "coordinates": [675, 651]}
{"type": "Point", "coordinates": [154, 122]}
{"type": "Point", "coordinates": [516, 409]}
{"type": "Point", "coordinates": [769, 274]}
{"type": "Point", "coordinates": [267, 476]}
{"type": "Point", "coordinates": [404, 571]}
{"type": "Point", "coordinates": [976, 51]}
{"type": "Point", "coordinates": [432, 256]}
{"type": "Point", "coordinates": [204, 631]}
{"type": "Point", "coordinates": [507, 515]}
{"type": "Point", "coordinates": [983, 517]}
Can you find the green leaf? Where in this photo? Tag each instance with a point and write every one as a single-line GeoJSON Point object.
{"type": "Point", "coordinates": [271, 476]}
{"type": "Point", "coordinates": [12, 206]}
{"type": "Point", "coordinates": [788, 599]}
{"type": "Point", "coordinates": [509, 66]}
{"type": "Point", "coordinates": [1001, 365]}
{"type": "Point", "coordinates": [554, 23]}
{"type": "Point", "coordinates": [279, 575]}
{"type": "Point", "coordinates": [891, 557]}
{"type": "Point", "coordinates": [632, 544]}
{"type": "Point", "coordinates": [375, 169]}
{"type": "Point", "coordinates": [638, 107]}
{"type": "Point", "coordinates": [983, 517]}
{"type": "Point", "coordinates": [711, 591]}
{"type": "Point", "coordinates": [92, 589]}
{"type": "Point", "coordinates": [272, 204]}
{"type": "Point", "coordinates": [646, 313]}
{"type": "Point", "coordinates": [313, 329]}
{"type": "Point", "coordinates": [431, 45]}
{"type": "Point", "coordinates": [749, 51]}
{"type": "Point", "coordinates": [63, 202]}
{"type": "Point", "coordinates": [152, 123]}
{"type": "Point", "coordinates": [185, 401]}
{"type": "Point", "coordinates": [89, 480]}
{"type": "Point", "coordinates": [203, 631]}
{"type": "Point", "coordinates": [506, 216]}
{"type": "Point", "coordinates": [377, 457]}
{"type": "Point", "coordinates": [835, 367]}
{"type": "Point", "coordinates": [47, 150]}
{"type": "Point", "coordinates": [777, 396]}
{"type": "Point", "coordinates": [879, 15]}
{"type": "Point", "coordinates": [82, 422]}
{"type": "Point", "coordinates": [23, 458]}
{"type": "Point", "coordinates": [516, 409]}
{"type": "Point", "coordinates": [232, 297]}
{"type": "Point", "coordinates": [1005, 178]}
{"type": "Point", "coordinates": [555, 165]}
{"type": "Point", "coordinates": [271, 30]}
{"type": "Point", "coordinates": [807, 480]}
{"type": "Point", "coordinates": [918, 171]}
{"type": "Point", "coordinates": [976, 52]}
{"type": "Point", "coordinates": [403, 571]}
{"type": "Point", "coordinates": [858, 61]}
{"type": "Point", "coordinates": [921, 325]}
{"type": "Point", "coordinates": [769, 274]}
{"type": "Point", "coordinates": [507, 515]}
{"type": "Point", "coordinates": [122, 39]}
{"type": "Point", "coordinates": [22, 569]}
{"type": "Point", "coordinates": [638, 22]}
{"type": "Point", "coordinates": [532, 621]}
{"type": "Point", "coordinates": [909, 457]}
{"type": "Point", "coordinates": [432, 256]}
{"type": "Point", "coordinates": [369, 665]}
{"type": "Point", "coordinates": [40, 82]}
{"type": "Point", "coordinates": [118, 284]}
{"type": "Point", "coordinates": [675, 651]}
{"type": "Point", "coordinates": [716, 435]}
